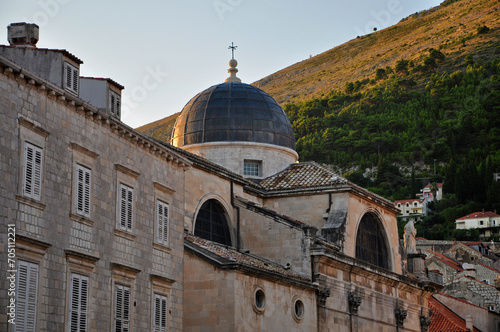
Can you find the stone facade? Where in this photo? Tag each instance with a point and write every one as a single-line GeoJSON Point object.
{"type": "Point", "coordinates": [49, 231]}
{"type": "Point", "coordinates": [475, 291]}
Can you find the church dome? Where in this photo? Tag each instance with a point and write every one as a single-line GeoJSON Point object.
{"type": "Point", "coordinates": [233, 111]}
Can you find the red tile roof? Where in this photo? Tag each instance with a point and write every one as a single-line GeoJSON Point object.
{"type": "Point", "coordinates": [482, 214]}
{"type": "Point", "coordinates": [445, 320]}
{"type": "Point", "coordinates": [447, 260]}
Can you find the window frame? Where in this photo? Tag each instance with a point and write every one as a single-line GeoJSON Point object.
{"type": "Point", "coordinates": [71, 77]}
{"type": "Point", "coordinates": [252, 168]}
{"type": "Point", "coordinates": [114, 104]}
{"type": "Point", "coordinates": [162, 222]}
{"type": "Point", "coordinates": [28, 299]}
{"type": "Point", "coordinates": [163, 313]}
{"type": "Point", "coordinates": [35, 191]}
{"type": "Point", "coordinates": [125, 223]}
{"type": "Point", "coordinates": [86, 194]}
{"type": "Point", "coordinates": [71, 300]}
{"type": "Point", "coordinates": [125, 306]}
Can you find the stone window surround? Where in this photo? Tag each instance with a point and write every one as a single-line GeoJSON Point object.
{"type": "Point", "coordinates": [128, 177]}
{"type": "Point", "coordinates": [125, 276]}
{"type": "Point", "coordinates": [162, 193]}
{"type": "Point", "coordinates": [31, 132]}
{"type": "Point", "coordinates": [86, 158]}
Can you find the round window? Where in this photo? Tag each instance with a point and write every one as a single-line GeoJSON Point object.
{"type": "Point", "coordinates": [259, 303]}
{"type": "Point", "coordinates": [298, 309]}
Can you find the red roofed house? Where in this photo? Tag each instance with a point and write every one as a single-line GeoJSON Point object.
{"type": "Point", "coordinates": [410, 209]}
{"type": "Point", "coordinates": [487, 222]}
{"type": "Point", "coordinates": [444, 319]}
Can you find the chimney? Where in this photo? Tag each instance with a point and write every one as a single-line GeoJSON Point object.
{"type": "Point", "coordinates": [22, 34]}
{"type": "Point", "coordinates": [468, 323]}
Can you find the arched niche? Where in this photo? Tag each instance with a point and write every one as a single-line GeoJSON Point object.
{"type": "Point", "coordinates": [212, 223]}
{"type": "Point", "coordinates": [371, 242]}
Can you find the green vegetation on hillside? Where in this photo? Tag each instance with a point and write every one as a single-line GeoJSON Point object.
{"type": "Point", "coordinates": [413, 122]}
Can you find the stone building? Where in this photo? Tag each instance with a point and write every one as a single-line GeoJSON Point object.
{"type": "Point", "coordinates": [221, 231]}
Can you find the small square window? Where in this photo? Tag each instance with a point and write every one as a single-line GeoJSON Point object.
{"type": "Point", "coordinates": [251, 168]}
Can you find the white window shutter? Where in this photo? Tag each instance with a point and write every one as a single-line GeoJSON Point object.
{"type": "Point", "coordinates": [122, 307]}
{"type": "Point", "coordinates": [160, 313]}
{"type": "Point", "coordinates": [78, 303]}
{"type": "Point", "coordinates": [82, 190]}
{"type": "Point", "coordinates": [26, 296]}
{"type": "Point", "coordinates": [162, 222]}
{"type": "Point", "coordinates": [126, 210]}
{"type": "Point", "coordinates": [32, 181]}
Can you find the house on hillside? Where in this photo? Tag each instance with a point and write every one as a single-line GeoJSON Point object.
{"type": "Point", "coordinates": [487, 222]}
{"type": "Point", "coordinates": [430, 193]}
{"type": "Point", "coordinates": [410, 209]}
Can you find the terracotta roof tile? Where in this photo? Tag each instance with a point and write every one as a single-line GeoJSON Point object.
{"type": "Point", "coordinates": [302, 175]}
{"type": "Point", "coordinates": [474, 215]}
{"type": "Point", "coordinates": [447, 260]}
{"type": "Point", "coordinates": [231, 255]}
{"type": "Point", "coordinates": [443, 319]}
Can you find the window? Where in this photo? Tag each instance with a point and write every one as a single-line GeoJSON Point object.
{"type": "Point", "coordinates": [78, 301]}
{"type": "Point", "coordinates": [122, 309]}
{"type": "Point", "coordinates": [32, 173]}
{"type": "Point", "coordinates": [371, 245]}
{"type": "Point", "coordinates": [299, 309]}
{"type": "Point", "coordinates": [162, 222]}
{"type": "Point", "coordinates": [251, 168]}
{"type": "Point", "coordinates": [259, 301]}
{"type": "Point", "coordinates": [26, 296]}
{"type": "Point", "coordinates": [480, 222]}
{"type": "Point", "coordinates": [126, 204]}
{"type": "Point", "coordinates": [211, 223]}
{"type": "Point", "coordinates": [114, 103]}
{"type": "Point", "coordinates": [71, 78]}
{"type": "Point", "coordinates": [82, 190]}
{"type": "Point", "coordinates": [160, 313]}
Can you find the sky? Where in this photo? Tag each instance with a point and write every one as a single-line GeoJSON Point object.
{"type": "Point", "coordinates": [165, 52]}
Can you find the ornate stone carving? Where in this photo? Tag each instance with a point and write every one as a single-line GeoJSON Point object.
{"type": "Point", "coordinates": [400, 314]}
{"type": "Point", "coordinates": [425, 321]}
{"type": "Point", "coordinates": [354, 302]}
{"type": "Point", "coordinates": [322, 293]}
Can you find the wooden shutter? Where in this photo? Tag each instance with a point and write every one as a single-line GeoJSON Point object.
{"type": "Point", "coordinates": [78, 303]}
{"type": "Point", "coordinates": [82, 190]}
{"type": "Point", "coordinates": [122, 307]}
{"type": "Point", "coordinates": [162, 222]}
{"type": "Point", "coordinates": [126, 210]}
{"type": "Point", "coordinates": [26, 296]}
{"type": "Point", "coordinates": [160, 313]}
{"type": "Point", "coordinates": [71, 77]}
{"type": "Point", "coordinates": [32, 182]}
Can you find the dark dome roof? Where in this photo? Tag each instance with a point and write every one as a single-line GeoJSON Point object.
{"type": "Point", "coordinates": [233, 112]}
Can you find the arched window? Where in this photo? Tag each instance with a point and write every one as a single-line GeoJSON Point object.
{"type": "Point", "coordinates": [371, 245]}
{"type": "Point", "coordinates": [211, 223]}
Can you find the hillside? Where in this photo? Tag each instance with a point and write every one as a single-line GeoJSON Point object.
{"type": "Point", "coordinates": [451, 27]}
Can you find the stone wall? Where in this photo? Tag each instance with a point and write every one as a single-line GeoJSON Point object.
{"type": "Point", "coordinates": [224, 300]}
{"type": "Point", "coordinates": [61, 242]}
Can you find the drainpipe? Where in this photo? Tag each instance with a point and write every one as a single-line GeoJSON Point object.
{"type": "Point", "coordinates": [237, 217]}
